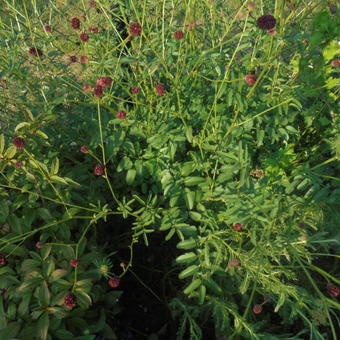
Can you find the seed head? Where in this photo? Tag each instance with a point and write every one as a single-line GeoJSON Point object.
{"type": "Point", "coordinates": [92, 3]}
{"type": "Point", "coordinates": [74, 263]}
{"type": "Point", "coordinates": [93, 29]}
{"type": "Point", "coordinates": [36, 52]}
{"type": "Point", "coordinates": [84, 37]}
{"type": "Point", "coordinates": [86, 87]}
{"type": "Point", "coordinates": [234, 263]}
{"type": "Point", "coordinates": [18, 142]}
{"type": "Point", "coordinates": [99, 169]}
{"type": "Point", "coordinates": [98, 91]}
{"type": "Point", "coordinates": [2, 259]}
{"type": "Point", "coordinates": [104, 81]}
{"type": "Point", "coordinates": [70, 300]}
{"type": "Point", "coordinates": [266, 22]}
{"type": "Point", "coordinates": [135, 29]}
{"type": "Point", "coordinates": [237, 226]}
{"type": "Point", "coordinates": [272, 32]}
{"type": "Point", "coordinates": [121, 114]}
{"type": "Point", "coordinates": [75, 23]}
{"type": "Point", "coordinates": [134, 90]}
{"type": "Point", "coordinates": [18, 165]}
{"type": "Point", "coordinates": [47, 28]}
{"type": "Point", "coordinates": [250, 79]}
{"type": "Point", "coordinates": [160, 89]}
{"type": "Point", "coordinates": [333, 290]}
{"type": "Point", "coordinates": [114, 282]}
{"type": "Point", "coordinates": [178, 35]}
{"type": "Point", "coordinates": [84, 60]}
{"type": "Point", "coordinates": [257, 309]}
{"type": "Point", "coordinates": [84, 149]}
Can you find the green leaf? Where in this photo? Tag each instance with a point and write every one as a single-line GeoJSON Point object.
{"type": "Point", "coordinates": [58, 179]}
{"type": "Point", "coordinates": [30, 265]}
{"type": "Point", "coordinates": [55, 166]}
{"type": "Point", "coordinates": [187, 244]}
{"type": "Point", "coordinates": [2, 143]}
{"type": "Point", "coordinates": [191, 181]}
{"type": "Point", "coordinates": [4, 211]}
{"type": "Point", "coordinates": [130, 176]}
{"type": "Point", "coordinates": [201, 294]}
{"type": "Point", "coordinates": [21, 125]}
{"type": "Point", "coordinates": [10, 332]}
{"type": "Point", "coordinates": [186, 258]}
{"type": "Point", "coordinates": [57, 275]}
{"type": "Point", "coordinates": [42, 326]}
{"type": "Point", "coordinates": [44, 295]}
{"type": "Point", "coordinates": [189, 197]}
{"type": "Point", "coordinates": [190, 271]}
{"type": "Point", "coordinates": [10, 152]}
{"type": "Point", "coordinates": [192, 286]}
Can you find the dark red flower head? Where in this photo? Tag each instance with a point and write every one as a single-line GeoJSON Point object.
{"type": "Point", "coordinates": [47, 28]}
{"type": "Point", "coordinates": [75, 23]}
{"type": "Point", "coordinates": [2, 259]}
{"type": "Point", "coordinates": [74, 263]}
{"type": "Point", "coordinates": [121, 114]}
{"type": "Point", "coordinates": [18, 164]}
{"type": "Point", "coordinates": [99, 169]}
{"type": "Point", "coordinates": [92, 3]}
{"type": "Point", "coordinates": [178, 35]}
{"type": "Point", "coordinates": [134, 90]}
{"type": "Point", "coordinates": [84, 59]}
{"type": "Point", "coordinates": [84, 37]}
{"type": "Point", "coordinates": [114, 282]}
{"type": "Point", "coordinates": [250, 79]}
{"type": "Point", "coordinates": [73, 59]}
{"type": "Point", "coordinates": [234, 263]}
{"type": "Point", "coordinates": [135, 29]}
{"type": "Point", "coordinates": [160, 89]}
{"type": "Point", "coordinates": [104, 81]}
{"type": "Point", "coordinates": [266, 22]}
{"type": "Point", "coordinates": [36, 52]}
{"type": "Point", "coordinates": [39, 244]}
{"type": "Point", "coordinates": [257, 309]}
{"type": "Point", "coordinates": [336, 63]}
{"type": "Point", "coordinates": [98, 91]}
{"type": "Point", "coordinates": [84, 149]}
{"type": "Point", "coordinates": [333, 290]}
{"type": "Point", "coordinates": [18, 142]}
{"type": "Point", "coordinates": [70, 300]}
{"type": "Point", "coordinates": [237, 226]}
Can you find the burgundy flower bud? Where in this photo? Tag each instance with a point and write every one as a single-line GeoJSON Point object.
{"type": "Point", "coordinates": [135, 29]}
{"type": "Point", "coordinates": [92, 3]}
{"type": "Point", "coordinates": [70, 300]}
{"type": "Point", "coordinates": [18, 142]}
{"type": "Point", "coordinates": [86, 87]}
{"type": "Point", "coordinates": [160, 89]}
{"type": "Point", "coordinates": [178, 35]}
{"type": "Point", "coordinates": [257, 309]}
{"type": "Point", "coordinates": [99, 169]}
{"type": "Point", "coordinates": [104, 81]}
{"type": "Point", "coordinates": [121, 114]}
{"type": "Point", "coordinates": [266, 22]}
{"type": "Point", "coordinates": [333, 290]}
{"type": "Point", "coordinates": [75, 23]}
{"type": "Point", "coordinates": [237, 226]}
{"type": "Point", "coordinates": [36, 52]}
{"type": "Point", "coordinates": [336, 63]}
{"type": "Point", "coordinates": [134, 90]}
{"type": "Point", "coordinates": [84, 37]}
{"type": "Point", "coordinates": [73, 59]}
{"type": "Point", "coordinates": [39, 244]}
{"type": "Point", "coordinates": [114, 282]}
{"type": "Point", "coordinates": [84, 149]}
{"type": "Point", "coordinates": [84, 59]}
{"type": "Point", "coordinates": [74, 263]}
{"type": "Point", "coordinates": [250, 79]}
{"type": "Point", "coordinates": [98, 91]}
{"type": "Point", "coordinates": [2, 259]}
{"type": "Point", "coordinates": [272, 32]}
{"type": "Point", "coordinates": [234, 263]}
{"type": "Point", "coordinates": [47, 28]}
{"type": "Point", "coordinates": [93, 29]}
{"type": "Point", "coordinates": [18, 165]}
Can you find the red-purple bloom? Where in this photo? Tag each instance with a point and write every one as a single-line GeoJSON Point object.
{"type": "Point", "coordinates": [234, 263]}
{"type": "Point", "coordinates": [266, 22]}
{"type": "Point", "coordinates": [336, 63]}
{"type": "Point", "coordinates": [75, 23]}
{"type": "Point", "coordinates": [36, 52]}
{"type": "Point", "coordinates": [160, 89]}
{"type": "Point", "coordinates": [272, 32]}
{"type": "Point", "coordinates": [135, 29]}
{"type": "Point", "coordinates": [250, 79]}
{"type": "Point", "coordinates": [121, 114]}
{"type": "Point", "coordinates": [93, 29]}
{"type": "Point", "coordinates": [257, 309]}
{"type": "Point", "coordinates": [86, 87]}
{"type": "Point", "coordinates": [18, 164]}
{"type": "Point", "coordinates": [84, 149]}
{"type": "Point", "coordinates": [74, 263]}
{"type": "Point", "coordinates": [84, 37]}
{"type": "Point", "coordinates": [98, 91]}
{"type": "Point", "coordinates": [70, 300]}
{"type": "Point", "coordinates": [47, 28]}
{"type": "Point", "coordinates": [73, 59]}
{"type": "Point", "coordinates": [134, 90]}
{"type": "Point", "coordinates": [114, 282]}
{"type": "Point", "coordinates": [333, 290]}
{"type": "Point", "coordinates": [92, 3]}
{"type": "Point", "coordinates": [18, 142]}
{"type": "Point", "coordinates": [237, 226]}
{"type": "Point", "coordinates": [178, 35]}
{"type": "Point", "coordinates": [99, 169]}
{"type": "Point", "coordinates": [2, 259]}
{"type": "Point", "coordinates": [39, 244]}
{"type": "Point", "coordinates": [104, 81]}
{"type": "Point", "coordinates": [84, 59]}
